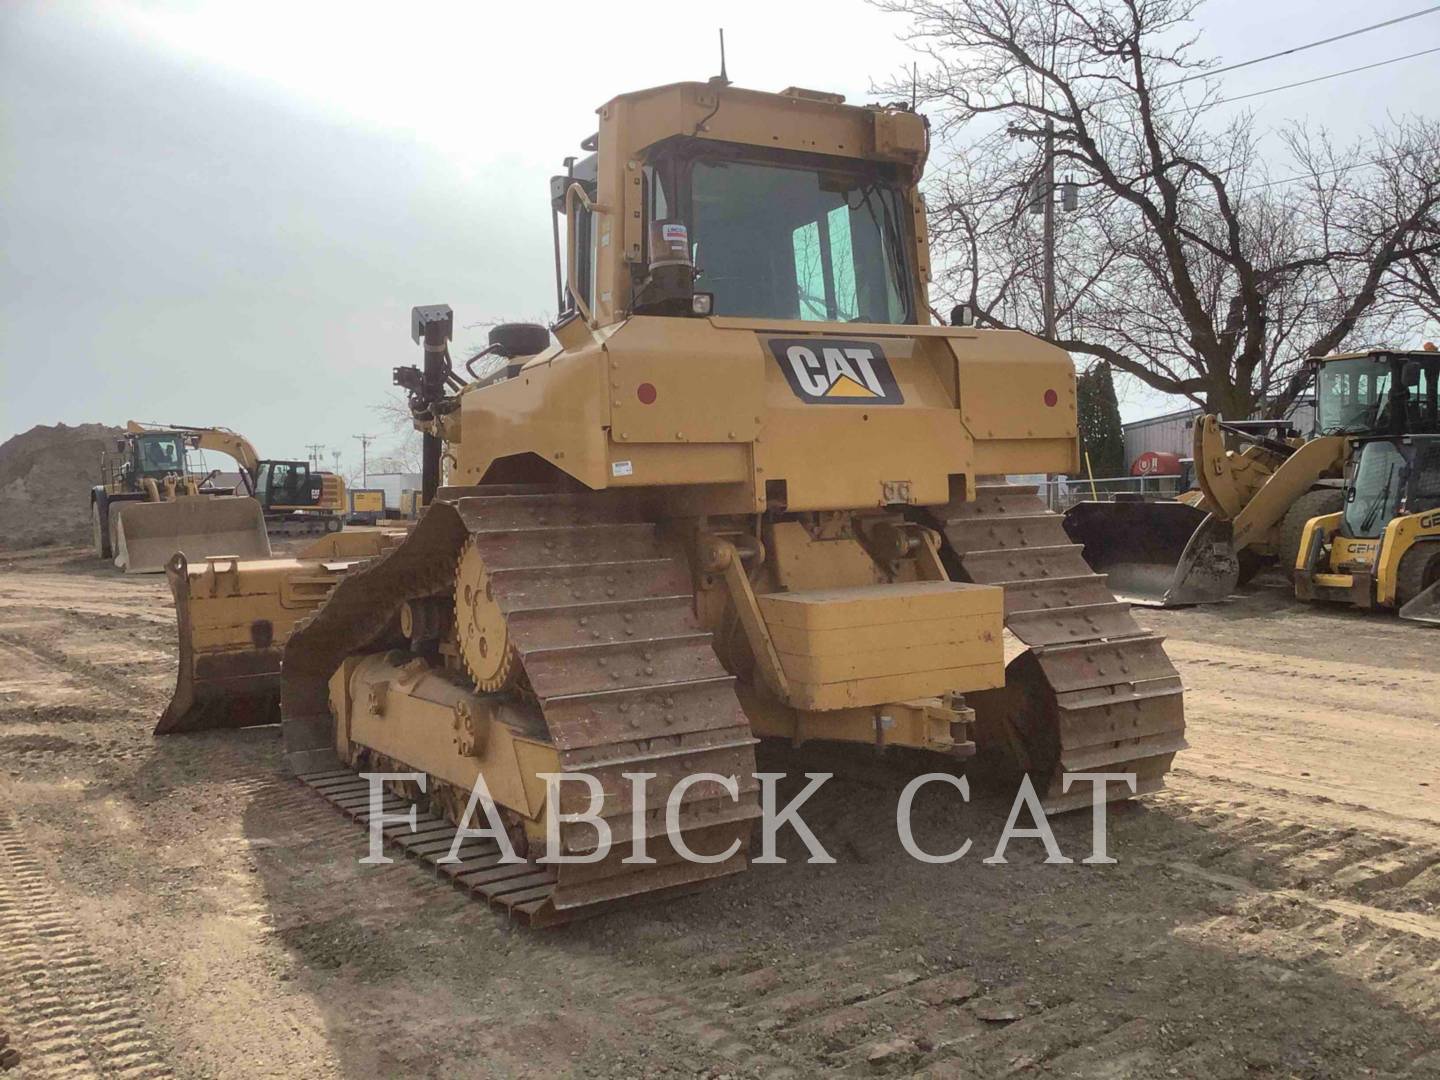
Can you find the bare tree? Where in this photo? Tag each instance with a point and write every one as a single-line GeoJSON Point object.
{"type": "Point", "coordinates": [403, 454]}
{"type": "Point", "coordinates": [1188, 264]}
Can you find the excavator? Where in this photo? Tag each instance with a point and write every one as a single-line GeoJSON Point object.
{"type": "Point", "coordinates": [296, 499]}
{"type": "Point", "coordinates": [152, 501]}
{"type": "Point", "coordinates": [1259, 485]}
{"type": "Point", "coordinates": [743, 488]}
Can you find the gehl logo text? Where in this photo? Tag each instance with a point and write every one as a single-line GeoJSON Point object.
{"type": "Point", "coordinates": [830, 371]}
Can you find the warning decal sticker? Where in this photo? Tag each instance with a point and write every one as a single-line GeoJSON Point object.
{"type": "Point", "coordinates": [829, 371]}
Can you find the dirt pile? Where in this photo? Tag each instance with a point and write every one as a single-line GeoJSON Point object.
{"type": "Point", "coordinates": [45, 478]}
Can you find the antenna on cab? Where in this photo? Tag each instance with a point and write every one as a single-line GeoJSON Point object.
{"type": "Point", "coordinates": [722, 79]}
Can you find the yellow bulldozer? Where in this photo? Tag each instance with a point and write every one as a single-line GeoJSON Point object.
{"type": "Point", "coordinates": [154, 500]}
{"type": "Point", "coordinates": [748, 490]}
{"type": "Point", "coordinates": [1258, 485]}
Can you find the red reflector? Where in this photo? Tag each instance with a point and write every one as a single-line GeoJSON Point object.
{"type": "Point", "coordinates": [1051, 398]}
{"type": "Point", "coordinates": [646, 393]}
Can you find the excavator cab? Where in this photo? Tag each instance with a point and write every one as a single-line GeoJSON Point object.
{"type": "Point", "coordinates": [287, 483]}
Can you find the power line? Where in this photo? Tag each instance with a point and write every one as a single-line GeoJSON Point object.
{"type": "Point", "coordinates": [1203, 105]}
{"type": "Point", "coordinates": [1320, 78]}
{"type": "Point", "coordinates": [1338, 170]}
{"type": "Point", "coordinates": [1302, 48]}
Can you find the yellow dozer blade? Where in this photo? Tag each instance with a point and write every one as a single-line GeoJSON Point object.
{"type": "Point", "coordinates": [1424, 608]}
{"type": "Point", "coordinates": [147, 534]}
{"type": "Point", "coordinates": [233, 617]}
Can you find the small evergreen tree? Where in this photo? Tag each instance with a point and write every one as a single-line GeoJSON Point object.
{"type": "Point", "coordinates": [1099, 415]}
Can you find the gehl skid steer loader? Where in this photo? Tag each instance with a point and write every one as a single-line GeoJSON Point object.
{"type": "Point", "coordinates": [748, 491]}
{"type": "Point", "coordinates": [1383, 548]}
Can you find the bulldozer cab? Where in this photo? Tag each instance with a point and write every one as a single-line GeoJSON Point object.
{"type": "Point", "coordinates": [730, 206]}
{"type": "Point", "coordinates": [783, 235]}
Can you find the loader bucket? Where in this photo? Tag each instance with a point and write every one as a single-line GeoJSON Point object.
{"type": "Point", "coordinates": [148, 533]}
{"type": "Point", "coordinates": [1156, 553]}
{"type": "Point", "coordinates": [1424, 608]}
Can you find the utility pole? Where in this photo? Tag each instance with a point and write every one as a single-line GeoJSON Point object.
{"type": "Point", "coordinates": [316, 449]}
{"type": "Point", "coordinates": [365, 441]}
{"type": "Point", "coordinates": [336, 455]}
{"type": "Point", "coordinates": [1049, 231]}
{"type": "Point", "coordinates": [1043, 201]}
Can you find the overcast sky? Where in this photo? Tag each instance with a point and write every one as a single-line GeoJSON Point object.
{"type": "Point", "coordinates": [222, 213]}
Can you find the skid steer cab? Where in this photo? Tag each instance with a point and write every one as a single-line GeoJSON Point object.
{"type": "Point", "coordinates": [1383, 549]}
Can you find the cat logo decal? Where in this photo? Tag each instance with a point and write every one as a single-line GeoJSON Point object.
{"type": "Point", "coordinates": [829, 371]}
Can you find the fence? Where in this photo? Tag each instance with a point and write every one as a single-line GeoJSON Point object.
{"type": "Point", "coordinates": [1062, 492]}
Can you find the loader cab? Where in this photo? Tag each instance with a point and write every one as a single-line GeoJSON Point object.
{"type": "Point", "coordinates": [1378, 393]}
{"type": "Point", "coordinates": [159, 455]}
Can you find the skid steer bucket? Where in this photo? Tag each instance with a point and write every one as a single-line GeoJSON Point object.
{"type": "Point", "coordinates": [148, 533]}
{"type": "Point", "coordinates": [233, 617]}
{"type": "Point", "coordinates": [1156, 553]}
{"type": "Point", "coordinates": [1424, 608]}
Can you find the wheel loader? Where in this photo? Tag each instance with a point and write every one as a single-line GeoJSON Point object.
{"type": "Point", "coordinates": [152, 501]}
{"type": "Point", "coordinates": [1259, 485]}
{"type": "Point", "coordinates": [747, 490]}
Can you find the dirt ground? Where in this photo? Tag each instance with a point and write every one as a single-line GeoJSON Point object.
{"type": "Point", "coordinates": [179, 907]}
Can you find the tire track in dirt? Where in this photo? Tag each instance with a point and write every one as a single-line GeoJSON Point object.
{"type": "Point", "coordinates": [1362, 903]}
{"type": "Point", "coordinates": [1352, 741]}
{"type": "Point", "coordinates": [103, 682]}
{"type": "Point", "coordinates": [67, 1017]}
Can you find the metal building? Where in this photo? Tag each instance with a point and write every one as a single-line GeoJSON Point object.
{"type": "Point", "coordinates": [1173, 432]}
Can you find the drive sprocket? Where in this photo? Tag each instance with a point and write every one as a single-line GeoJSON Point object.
{"type": "Point", "coordinates": [480, 626]}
